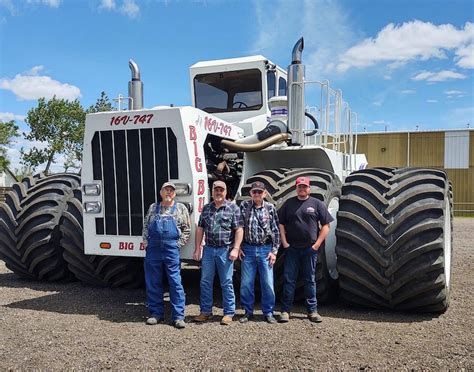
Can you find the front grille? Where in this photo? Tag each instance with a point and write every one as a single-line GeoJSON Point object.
{"type": "Point", "coordinates": [132, 165]}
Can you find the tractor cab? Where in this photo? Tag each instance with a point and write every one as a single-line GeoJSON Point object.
{"type": "Point", "coordinates": [236, 89]}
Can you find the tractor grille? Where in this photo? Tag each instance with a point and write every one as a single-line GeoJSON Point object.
{"type": "Point", "coordinates": [132, 165]}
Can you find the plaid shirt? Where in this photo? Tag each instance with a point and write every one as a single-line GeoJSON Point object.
{"type": "Point", "coordinates": [220, 224]}
{"type": "Point", "coordinates": [262, 224]}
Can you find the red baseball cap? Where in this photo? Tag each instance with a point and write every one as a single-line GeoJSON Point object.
{"type": "Point", "coordinates": [302, 181]}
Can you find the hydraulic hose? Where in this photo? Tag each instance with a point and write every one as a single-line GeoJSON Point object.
{"type": "Point", "coordinates": [315, 122]}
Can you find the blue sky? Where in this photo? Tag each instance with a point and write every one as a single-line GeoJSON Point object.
{"type": "Point", "coordinates": [400, 64]}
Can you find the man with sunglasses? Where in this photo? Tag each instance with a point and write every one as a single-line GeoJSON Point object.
{"type": "Point", "coordinates": [301, 237]}
{"type": "Point", "coordinates": [221, 223]}
{"type": "Point", "coordinates": [260, 248]}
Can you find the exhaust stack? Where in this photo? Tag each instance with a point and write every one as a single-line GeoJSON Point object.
{"type": "Point", "coordinates": [135, 87]}
{"type": "Point", "coordinates": [296, 107]}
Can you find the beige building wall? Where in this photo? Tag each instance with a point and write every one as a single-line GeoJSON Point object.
{"type": "Point", "coordinates": [421, 149]}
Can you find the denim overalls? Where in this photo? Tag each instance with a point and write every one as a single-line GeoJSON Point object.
{"type": "Point", "coordinates": [162, 254]}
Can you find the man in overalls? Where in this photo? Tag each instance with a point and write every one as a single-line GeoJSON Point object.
{"type": "Point", "coordinates": [166, 229]}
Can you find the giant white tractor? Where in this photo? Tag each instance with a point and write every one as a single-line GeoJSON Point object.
{"type": "Point", "coordinates": [390, 243]}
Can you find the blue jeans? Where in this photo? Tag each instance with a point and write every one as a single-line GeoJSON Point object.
{"type": "Point", "coordinates": [296, 260]}
{"type": "Point", "coordinates": [213, 258]}
{"type": "Point", "coordinates": [256, 259]}
{"type": "Point", "coordinates": [163, 258]}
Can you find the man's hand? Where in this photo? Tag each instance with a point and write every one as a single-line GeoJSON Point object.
{"type": "Point", "coordinates": [286, 246]}
{"type": "Point", "coordinates": [315, 246]}
{"type": "Point", "coordinates": [271, 258]}
{"type": "Point", "coordinates": [197, 255]}
{"type": "Point", "coordinates": [241, 254]}
{"type": "Point", "coordinates": [234, 254]}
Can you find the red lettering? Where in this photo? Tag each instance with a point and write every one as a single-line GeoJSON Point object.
{"type": "Point", "coordinates": [126, 246]}
{"type": "Point", "coordinates": [195, 149]}
{"type": "Point", "coordinates": [192, 133]}
{"type": "Point", "coordinates": [142, 246]}
{"type": "Point", "coordinates": [200, 204]}
{"type": "Point", "coordinates": [201, 187]}
{"type": "Point", "coordinates": [198, 164]}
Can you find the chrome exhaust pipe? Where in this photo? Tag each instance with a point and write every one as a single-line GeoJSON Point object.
{"type": "Point", "coordinates": [135, 87]}
{"type": "Point", "coordinates": [253, 147]}
{"type": "Point", "coordinates": [296, 106]}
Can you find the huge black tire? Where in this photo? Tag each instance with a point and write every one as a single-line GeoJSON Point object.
{"type": "Point", "coordinates": [34, 208]}
{"type": "Point", "coordinates": [8, 214]}
{"type": "Point", "coordinates": [280, 184]}
{"type": "Point", "coordinates": [394, 239]}
{"type": "Point", "coordinates": [104, 271]}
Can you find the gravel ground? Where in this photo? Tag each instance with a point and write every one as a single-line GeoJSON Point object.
{"type": "Point", "coordinates": [65, 326]}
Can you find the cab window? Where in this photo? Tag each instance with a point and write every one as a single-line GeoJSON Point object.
{"type": "Point", "coordinates": [229, 91]}
{"type": "Point", "coordinates": [281, 87]}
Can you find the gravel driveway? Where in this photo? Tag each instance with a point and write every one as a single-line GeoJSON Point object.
{"type": "Point", "coordinates": [65, 326]}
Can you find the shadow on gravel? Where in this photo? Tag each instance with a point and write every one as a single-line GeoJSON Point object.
{"type": "Point", "coordinates": [128, 305]}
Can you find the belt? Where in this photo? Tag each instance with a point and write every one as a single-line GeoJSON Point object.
{"type": "Point", "coordinates": [266, 242]}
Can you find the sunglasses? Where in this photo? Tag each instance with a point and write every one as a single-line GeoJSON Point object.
{"type": "Point", "coordinates": [257, 191]}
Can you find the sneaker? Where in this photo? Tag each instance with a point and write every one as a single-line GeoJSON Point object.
{"type": "Point", "coordinates": [315, 317]}
{"type": "Point", "coordinates": [246, 318]}
{"type": "Point", "coordinates": [270, 319]}
{"type": "Point", "coordinates": [226, 319]}
{"type": "Point", "coordinates": [179, 323]}
{"type": "Point", "coordinates": [154, 320]}
{"type": "Point", "coordinates": [201, 318]}
{"type": "Point", "coordinates": [284, 317]}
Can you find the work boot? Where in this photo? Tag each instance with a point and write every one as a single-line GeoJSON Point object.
{"type": "Point", "coordinates": [226, 319]}
{"type": "Point", "coordinates": [201, 318]}
{"type": "Point", "coordinates": [284, 317]}
{"type": "Point", "coordinates": [270, 319]}
{"type": "Point", "coordinates": [179, 323]}
{"type": "Point", "coordinates": [154, 320]}
{"type": "Point", "coordinates": [246, 318]}
{"type": "Point", "coordinates": [315, 317]}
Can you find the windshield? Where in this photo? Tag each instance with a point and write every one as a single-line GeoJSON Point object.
{"type": "Point", "coordinates": [229, 91]}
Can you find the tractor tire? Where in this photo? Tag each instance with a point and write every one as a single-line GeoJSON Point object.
{"type": "Point", "coordinates": [280, 184]}
{"type": "Point", "coordinates": [394, 239]}
{"type": "Point", "coordinates": [9, 210]}
{"type": "Point", "coordinates": [103, 271]}
{"type": "Point", "coordinates": [37, 226]}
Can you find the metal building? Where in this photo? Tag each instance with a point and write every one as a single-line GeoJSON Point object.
{"type": "Point", "coordinates": [450, 150]}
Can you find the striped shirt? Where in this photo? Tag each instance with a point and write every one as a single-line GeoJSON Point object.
{"type": "Point", "coordinates": [260, 224]}
{"type": "Point", "coordinates": [181, 216]}
{"type": "Point", "coordinates": [219, 224]}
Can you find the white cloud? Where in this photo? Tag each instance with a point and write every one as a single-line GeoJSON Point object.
{"type": "Point", "coordinates": [107, 4]}
{"type": "Point", "coordinates": [465, 56]}
{"type": "Point", "coordinates": [128, 7]}
{"type": "Point", "coordinates": [379, 121]}
{"type": "Point", "coordinates": [324, 25]}
{"type": "Point", "coordinates": [7, 116]}
{"type": "Point", "coordinates": [450, 92]}
{"type": "Point", "coordinates": [31, 86]}
{"type": "Point", "coordinates": [415, 40]}
{"type": "Point", "coordinates": [50, 3]}
{"type": "Point", "coordinates": [377, 103]}
{"type": "Point", "coordinates": [432, 100]}
{"type": "Point", "coordinates": [438, 76]}
{"type": "Point", "coordinates": [408, 91]}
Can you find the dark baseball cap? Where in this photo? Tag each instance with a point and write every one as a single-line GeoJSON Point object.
{"type": "Point", "coordinates": [258, 185]}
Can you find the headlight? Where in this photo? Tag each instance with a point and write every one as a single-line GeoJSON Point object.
{"type": "Point", "coordinates": [92, 207]}
{"type": "Point", "coordinates": [183, 189]}
{"type": "Point", "coordinates": [91, 189]}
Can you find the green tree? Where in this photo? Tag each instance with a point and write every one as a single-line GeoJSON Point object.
{"type": "Point", "coordinates": [102, 104]}
{"type": "Point", "coordinates": [58, 123]}
{"type": "Point", "coordinates": [8, 130]}
{"type": "Point", "coordinates": [24, 171]}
